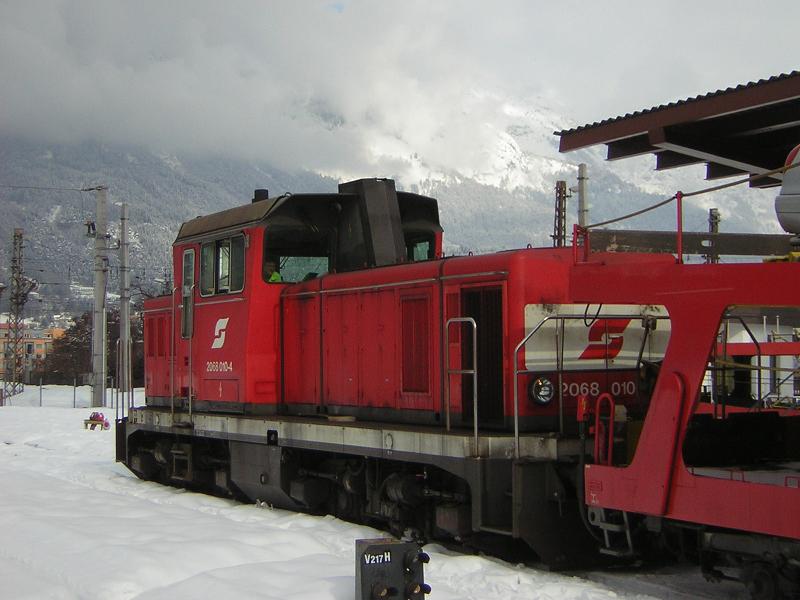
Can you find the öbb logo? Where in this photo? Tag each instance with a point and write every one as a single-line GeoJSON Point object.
{"type": "Point", "coordinates": [605, 337]}
{"type": "Point", "coordinates": [219, 333]}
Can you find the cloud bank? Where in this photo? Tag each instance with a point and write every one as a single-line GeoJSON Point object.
{"type": "Point", "coordinates": [360, 87]}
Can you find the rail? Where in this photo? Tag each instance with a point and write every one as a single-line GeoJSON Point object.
{"type": "Point", "coordinates": [778, 385]}
{"type": "Point", "coordinates": [518, 371]}
{"type": "Point", "coordinates": [758, 354]}
{"type": "Point", "coordinates": [473, 371]}
{"type": "Point", "coordinates": [758, 369]}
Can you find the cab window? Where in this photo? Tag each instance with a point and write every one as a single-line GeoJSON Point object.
{"type": "Point", "coordinates": [292, 269]}
{"type": "Point", "coordinates": [222, 266]}
{"type": "Point", "coordinates": [187, 291]}
{"type": "Point", "coordinates": [419, 248]}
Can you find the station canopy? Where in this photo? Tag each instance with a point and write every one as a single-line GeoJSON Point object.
{"type": "Point", "coordinates": [744, 130]}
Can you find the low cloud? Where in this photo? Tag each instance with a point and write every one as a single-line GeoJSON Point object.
{"type": "Point", "coordinates": [363, 88]}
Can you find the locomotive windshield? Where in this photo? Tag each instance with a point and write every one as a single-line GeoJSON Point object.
{"type": "Point", "coordinates": [299, 238]}
{"type": "Point", "coordinates": [310, 235]}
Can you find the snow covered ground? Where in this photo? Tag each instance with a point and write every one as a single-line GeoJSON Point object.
{"type": "Point", "coordinates": [74, 524]}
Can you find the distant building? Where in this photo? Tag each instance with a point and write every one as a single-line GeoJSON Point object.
{"type": "Point", "coordinates": [37, 344]}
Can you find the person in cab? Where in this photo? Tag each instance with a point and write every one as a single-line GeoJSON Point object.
{"type": "Point", "coordinates": [271, 273]}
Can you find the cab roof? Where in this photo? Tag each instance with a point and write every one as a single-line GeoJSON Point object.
{"type": "Point", "coordinates": [238, 217]}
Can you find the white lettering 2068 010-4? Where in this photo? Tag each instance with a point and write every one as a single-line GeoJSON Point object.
{"type": "Point", "coordinates": [219, 366]}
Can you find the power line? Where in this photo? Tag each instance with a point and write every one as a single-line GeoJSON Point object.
{"type": "Point", "coordinates": [54, 189]}
{"type": "Point", "coordinates": [48, 189]}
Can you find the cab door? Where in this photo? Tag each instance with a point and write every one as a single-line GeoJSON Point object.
{"type": "Point", "coordinates": [484, 304]}
{"type": "Point", "coordinates": [187, 314]}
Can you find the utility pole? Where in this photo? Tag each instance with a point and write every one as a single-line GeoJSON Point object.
{"type": "Point", "coordinates": [99, 308]}
{"type": "Point", "coordinates": [124, 357]}
{"type": "Point", "coordinates": [560, 219]}
{"type": "Point", "coordinates": [166, 287]}
{"type": "Point", "coordinates": [713, 227]}
{"type": "Point", "coordinates": [583, 202]}
{"type": "Point", "coordinates": [21, 286]}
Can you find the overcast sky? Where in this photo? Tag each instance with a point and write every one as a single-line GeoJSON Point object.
{"type": "Point", "coordinates": [337, 86]}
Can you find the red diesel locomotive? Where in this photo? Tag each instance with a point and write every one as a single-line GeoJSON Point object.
{"type": "Point", "coordinates": [319, 353]}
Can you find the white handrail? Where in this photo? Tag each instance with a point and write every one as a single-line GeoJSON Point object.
{"type": "Point", "coordinates": [473, 371]}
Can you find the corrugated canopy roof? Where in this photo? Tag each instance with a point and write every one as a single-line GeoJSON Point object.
{"type": "Point", "coordinates": [747, 129]}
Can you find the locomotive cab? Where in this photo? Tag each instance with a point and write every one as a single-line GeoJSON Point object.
{"type": "Point", "coordinates": [217, 343]}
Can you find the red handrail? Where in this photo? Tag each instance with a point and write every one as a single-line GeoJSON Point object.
{"type": "Point", "coordinates": [604, 454]}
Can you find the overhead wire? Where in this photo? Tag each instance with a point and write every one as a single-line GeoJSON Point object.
{"type": "Point", "coordinates": [56, 189]}
{"type": "Point", "coordinates": [50, 189]}
{"type": "Point", "coordinates": [633, 214]}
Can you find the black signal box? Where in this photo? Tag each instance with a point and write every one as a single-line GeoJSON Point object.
{"type": "Point", "coordinates": [390, 569]}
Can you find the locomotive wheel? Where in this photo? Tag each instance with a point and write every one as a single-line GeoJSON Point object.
{"type": "Point", "coordinates": [761, 580]}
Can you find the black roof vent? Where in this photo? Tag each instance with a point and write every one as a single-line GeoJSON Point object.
{"type": "Point", "coordinates": [373, 226]}
{"type": "Point", "coordinates": [259, 195]}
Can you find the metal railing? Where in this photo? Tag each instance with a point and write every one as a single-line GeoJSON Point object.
{"type": "Point", "coordinates": [123, 394]}
{"type": "Point", "coordinates": [473, 371]}
{"type": "Point", "coordinates": [715, 392]}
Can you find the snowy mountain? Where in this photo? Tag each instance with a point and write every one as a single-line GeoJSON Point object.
{"type": "Point", "coordinates": [161, 190]}
{"type": "Point", "coordinates": [494, 182]}
{"type": "Point", "coordinates": [493, 163]}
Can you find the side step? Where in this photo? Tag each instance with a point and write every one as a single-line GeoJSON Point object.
{"type": "Point", "coordinates": [616, 532]}
{"type": "Point", "coordinates": [496, 530]}
{"type": "Point", "coordinates": [182, 462]}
